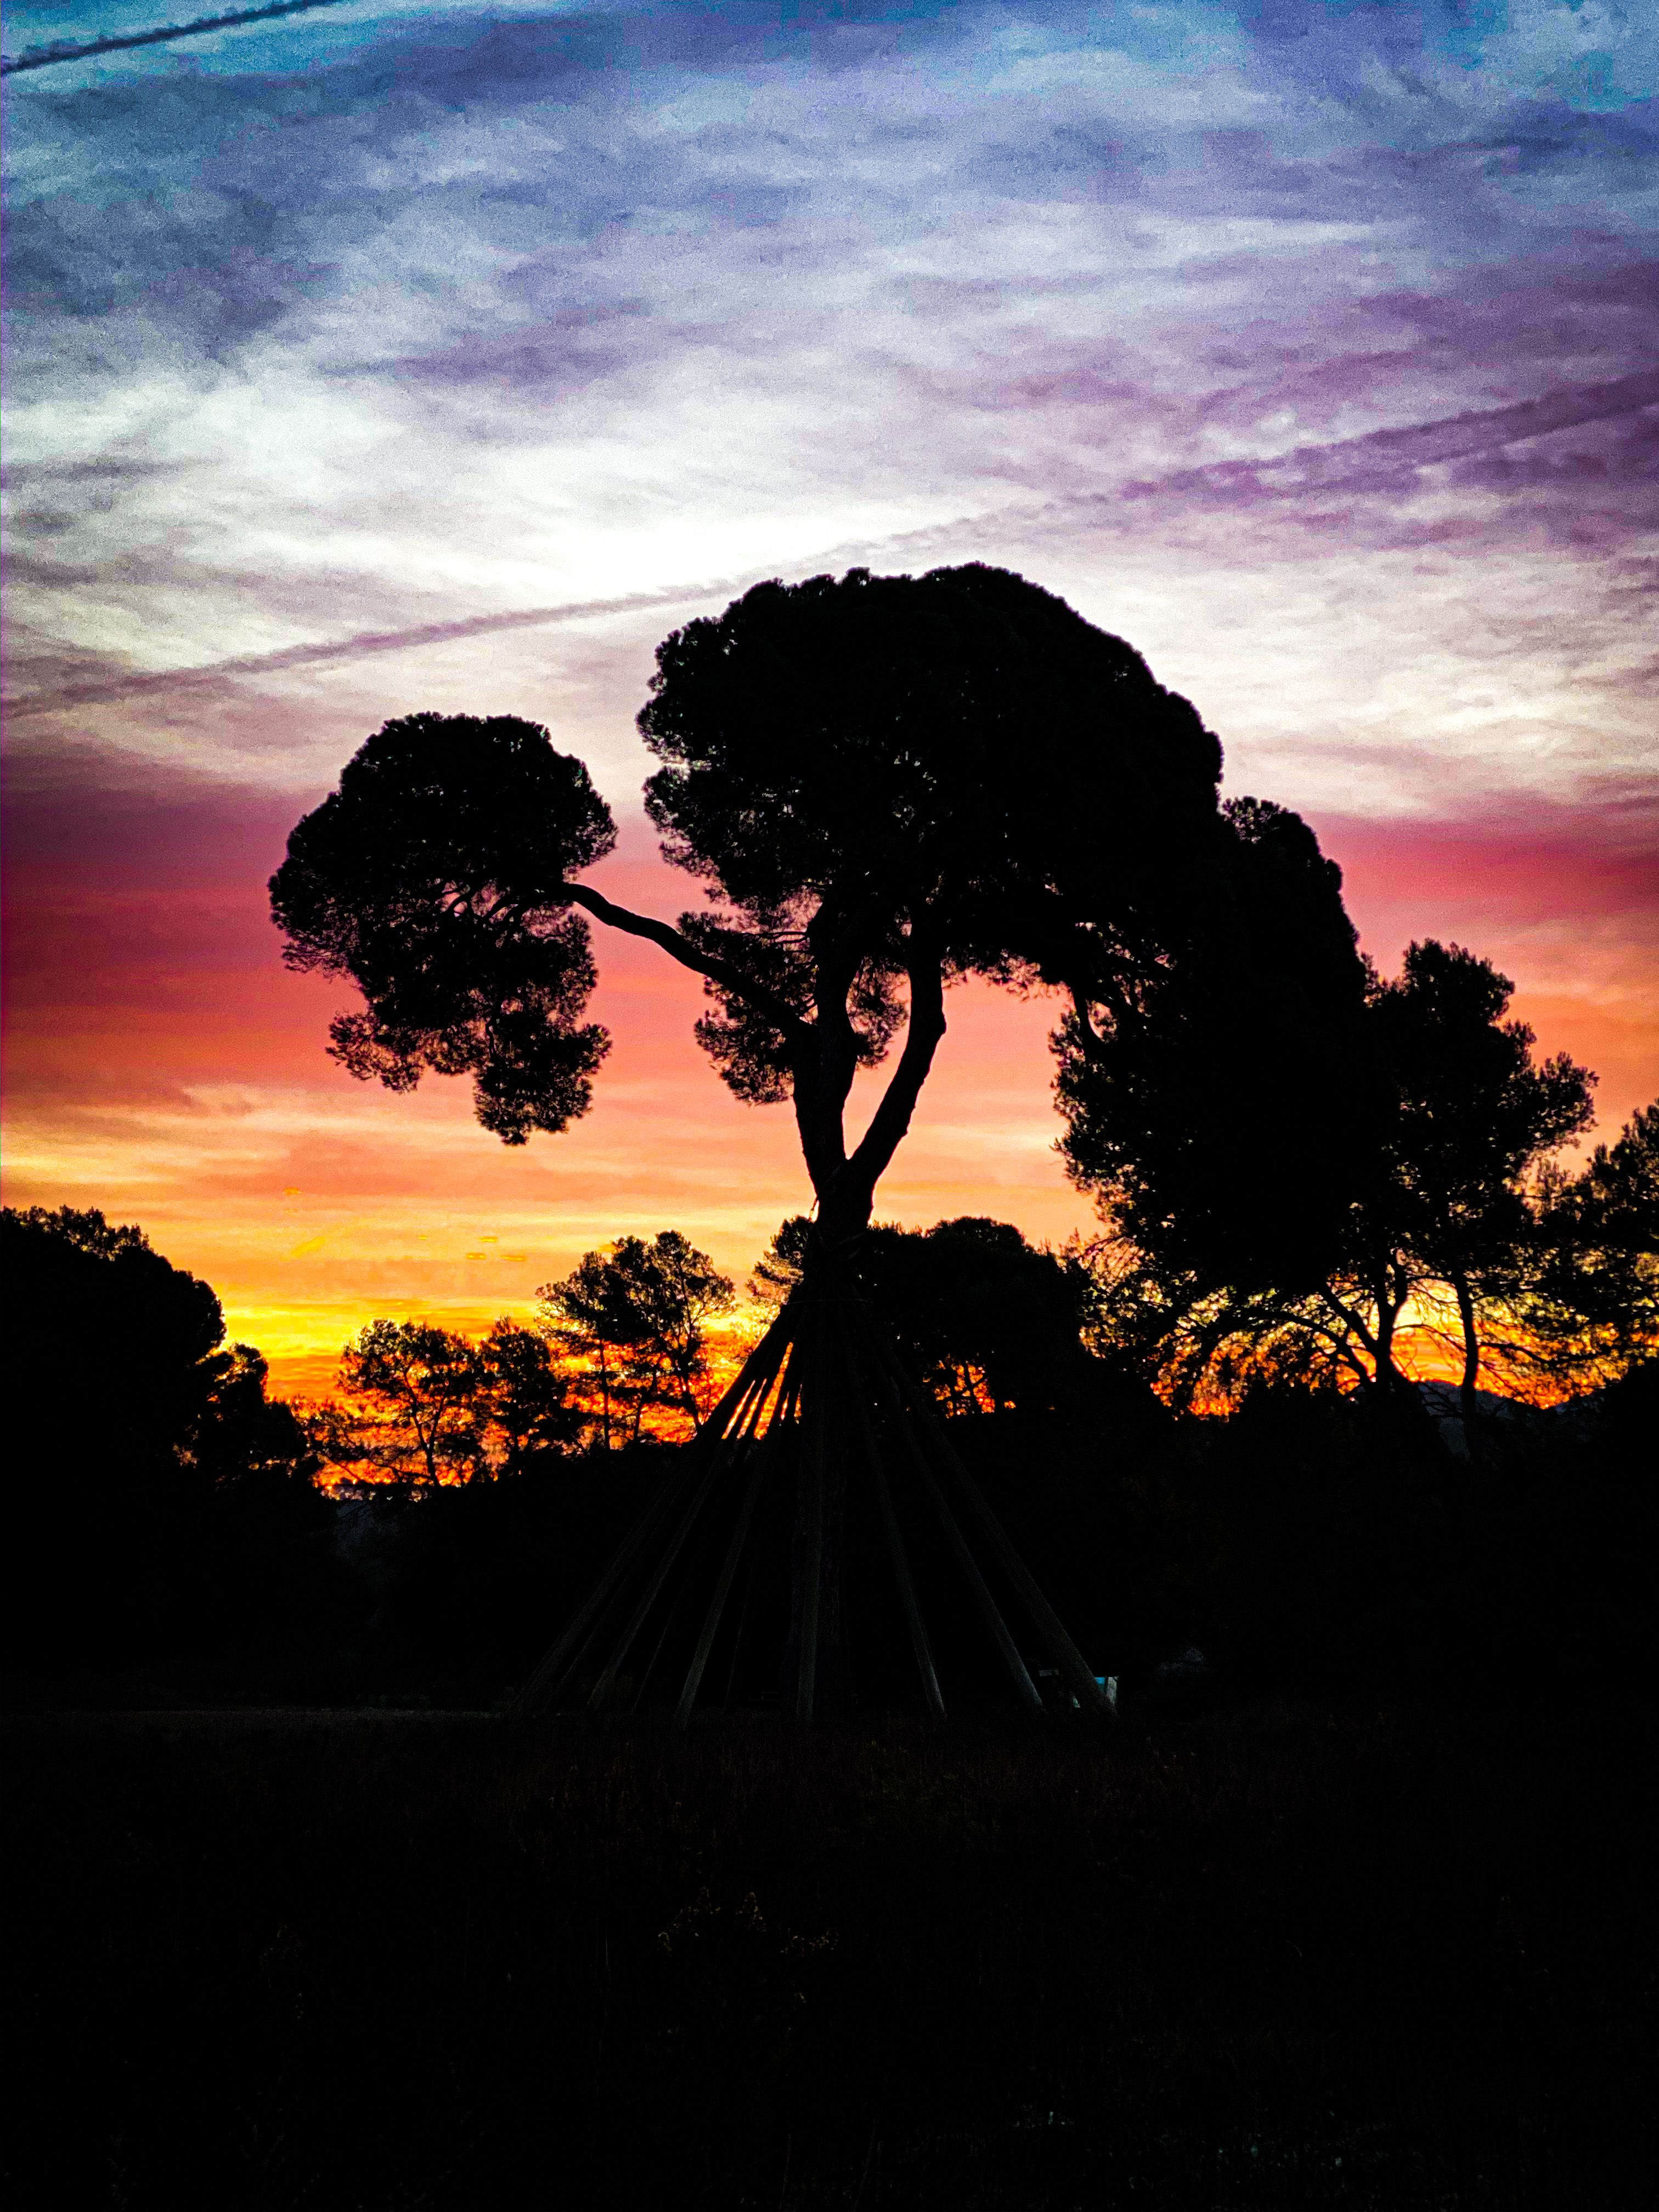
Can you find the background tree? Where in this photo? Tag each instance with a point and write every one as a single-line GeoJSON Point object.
{"type": "Point", "coordinates": [412, 1408]}
{"type": "Point", "coordinates": [638, 1313]}
{"type": "Point", "coordinates": [1589, 1310]}
{"type": "Point", "coordinates": [121, 1348]}
{"type": "Point", "coordinates": [1215, 1076]}
{"type": "Point", "coordinates": [588, 1315]}
{"type": "Point", "coordinates": [1474, 1118]}
{"type": "Point", "coordinates": [240, 1434]}
{"type": "Point", "coordinates": [135, 1438]}
{"type": "Point", "coordinates": [526, 1400]}
{"type": "Point", "coordinates": [678, 1291]}
{"type": "Point", "coordinates": [988, 1321]}
{"type": "Point", "coordinates": [1456, 1122]}
{"type": "Point", "coordinates": [128, 1378]}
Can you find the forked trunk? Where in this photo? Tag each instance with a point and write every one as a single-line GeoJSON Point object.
{"type": "Point", "coordinates": [1391, 1382]}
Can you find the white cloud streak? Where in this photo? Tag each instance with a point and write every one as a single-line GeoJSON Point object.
{"type": "Point", "coordinates": [1224, 322]}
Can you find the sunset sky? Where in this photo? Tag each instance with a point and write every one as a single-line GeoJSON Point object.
{"type": "Point", "coordinates": [391, 357]}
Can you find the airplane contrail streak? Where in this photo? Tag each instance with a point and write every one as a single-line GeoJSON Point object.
{"type": "Point", "coordinates": [65, 50]}
{"type": "Point", "coordinates": [1378, 461]}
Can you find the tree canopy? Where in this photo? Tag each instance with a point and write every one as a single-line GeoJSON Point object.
{"type": "Point", "coordinates": [1430, 1196]}
{"type": "Point", "coordinates": [1215, 1077]}
{"type": "Point", "coordinates": [131, 1425]}
{"type": "Point", "coordinates": [636, 1314]}
{"type": "Point", "coordinates": [423, 1406]}
{"type": "Point", "coordinates": [432, 878]}
{"type": "Point", "coordinates": [1590, 1304]}
{"type": "Point", "coordinates": [883, 783]}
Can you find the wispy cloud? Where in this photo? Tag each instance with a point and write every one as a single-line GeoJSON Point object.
{"type": "Point", "coordinates": [1382, 460]}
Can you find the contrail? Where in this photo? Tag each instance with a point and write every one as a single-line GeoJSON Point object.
{"type": "Point", "coordinates": [1381, 456]}
{"type": "Point", "coordinates": [65, 50]}
{"type": "Point", "coordinates": [96, 690]}
{"type": "Point", "coordinates": [1378, 461]}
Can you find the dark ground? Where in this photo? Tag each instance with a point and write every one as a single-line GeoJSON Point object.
{"type": "Point", "coordinates": [1285, 1955]}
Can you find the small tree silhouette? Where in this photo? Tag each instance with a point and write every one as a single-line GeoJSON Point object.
{"type": "Point", "coordinates": [885, 785]}
{"type": "Point", "coordinates": [637, 1312]}
{"type": "Point", "coordinates": [413, 1405]}
{"type": "Point", "coordinates": [423, 1406]}
{"type": "Point", "coordinates": [1473, 1117]}
{"type": "Point", "coordinates": [527, 1399]}
{"type": "Point", "coordinates": [1590, 1305]}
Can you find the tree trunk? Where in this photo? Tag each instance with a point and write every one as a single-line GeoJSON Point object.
{"type": "Point", "coordinates": [1387, 1375]}
{"type": "Point", "coordinates": [1467, 1400]}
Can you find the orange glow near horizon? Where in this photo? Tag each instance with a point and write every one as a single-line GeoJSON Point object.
{"type": "Point", "coordinates": [181, 1081]}
{"type": "Point", "coordinates": [163, 1066]}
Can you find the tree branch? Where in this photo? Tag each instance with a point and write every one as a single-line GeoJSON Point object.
{"type": "Point", "coordinates": [1351, 1320]}
{"type": "Point", "coordinates": [925, 1027]}
{"type": "Point", "coordinates": [797, 1034]}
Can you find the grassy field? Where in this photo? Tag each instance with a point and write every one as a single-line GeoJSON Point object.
{"type": "Point", "coordinates": [1273, 1958]}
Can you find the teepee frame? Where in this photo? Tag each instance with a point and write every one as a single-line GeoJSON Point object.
{"type": "Point", "coordinates": [823, 1436]}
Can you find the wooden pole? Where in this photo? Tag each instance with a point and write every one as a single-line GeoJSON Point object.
{"type": "Point", "coordinates": [953, 1535]}
{"type": "Point", "coordinates": [812, 1567]}
{"type": "Point", "coordinates": [569, 1647]}
{"type": "Point", "coordinates": [920, 1646]}
{"type": "Point", "coordinates": [784, 1419]}
{"type": "Point", "coordinates": [1062, 1649]}
{"type": "Point", "coordinates": [554, 1662]}
{"type": "Point", "coordinates": [751, 1411]}
{"type": "Point", "coordinates": [765, 1450]}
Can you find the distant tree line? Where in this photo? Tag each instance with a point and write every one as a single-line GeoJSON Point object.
{"type": "Point", "coordinates": [621, 1351]}
{"type": "Point", "coordinates": [1461, 1229]}
{"type": "Point", "coordinates": [165, 1505]}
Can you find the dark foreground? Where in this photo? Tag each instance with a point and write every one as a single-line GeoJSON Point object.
{"type": "Point", "coordinates": [1280, 1958]}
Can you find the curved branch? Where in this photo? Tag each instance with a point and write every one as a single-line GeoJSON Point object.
{"type": "Point", "coordinates": [797, 1034]}
{"type": "Point", "coordinates": [1351, 1319]}
{"type": "Point", "coordinates": [925, 1027]}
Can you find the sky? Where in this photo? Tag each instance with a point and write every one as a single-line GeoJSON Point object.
{"type": "Point", "coordinates": [382, 358]}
